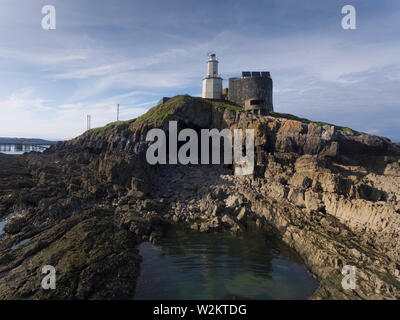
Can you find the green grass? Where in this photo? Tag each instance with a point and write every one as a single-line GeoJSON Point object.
{"type": "Point", "coordinates": [287, 116]}
{"type": "Point", "coordinates": [157, 114]}
{"type": "Point", "coordinates": [110, 126]}
{"type": "Point", "coordinates": [306, 121]}
{"type": "Point", "coordinates": [220, 105]}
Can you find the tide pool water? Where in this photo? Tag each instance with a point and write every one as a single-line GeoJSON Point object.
{"type": "Point", "coordinates": [2, 224]}
{"type": "Point", "coordinates": [187, 264]}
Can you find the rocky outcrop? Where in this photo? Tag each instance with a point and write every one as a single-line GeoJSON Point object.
{"type": "Point", "coordinates": [328, 192]}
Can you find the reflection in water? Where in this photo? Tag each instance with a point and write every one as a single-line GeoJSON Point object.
{"type": "Point", "coordinates": [19, 244]}
{"type": "Point", "coordinates": [191, 265]}
{"type": "Point", "coordinates": [2, 224]}
{"type": "Point", "coordinates": [21, 148]}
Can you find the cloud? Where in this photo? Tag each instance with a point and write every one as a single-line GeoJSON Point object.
{"type": "Point", "coordinates": [24, 114]}
{"type": "Point", "coordinates": [123, 66]}
{"type": "Point", "coordinates": [42, 59]}
{"type": "Point", "coordinates": [23, 100]}
{"type": "Point", "coordinates": [134, 52]}
{"type": "Point", "coordinates": [367, 101]}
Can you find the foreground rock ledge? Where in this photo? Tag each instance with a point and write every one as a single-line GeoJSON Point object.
{"type": "Point", "coordinates": [84, 205]}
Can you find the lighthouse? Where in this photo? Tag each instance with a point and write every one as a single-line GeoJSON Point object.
{"type": "Point", "coordinates": [212, 82]}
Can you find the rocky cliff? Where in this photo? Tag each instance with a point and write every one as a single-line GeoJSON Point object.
{"type": "Point", "coordinates": [84, 205]}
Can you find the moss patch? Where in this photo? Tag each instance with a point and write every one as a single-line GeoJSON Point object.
{"type": "Point", "coordinates": [221, 106]}
{"type": "Point", "coordinates": [111, 126]}
{"type": "Point", "coordinates": [157, 114]}
{"type": "Point", "coordinates": [307, 121]}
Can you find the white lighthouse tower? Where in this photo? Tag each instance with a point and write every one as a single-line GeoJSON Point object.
{"type": "Point", "coordinates": [212, 82]}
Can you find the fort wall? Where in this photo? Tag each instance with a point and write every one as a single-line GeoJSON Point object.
{"type": "Point", "coordinates": [252, 93]}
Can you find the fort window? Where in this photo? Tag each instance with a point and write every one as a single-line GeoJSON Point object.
{"type": "Point", "coordinates": [256, 102]}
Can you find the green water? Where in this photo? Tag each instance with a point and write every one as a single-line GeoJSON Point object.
{"type": "Point", "coordinates": [187, 264]}
{"type": "Point", "coordinates": [2, 224]}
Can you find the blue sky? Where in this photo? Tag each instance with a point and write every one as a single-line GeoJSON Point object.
{"type": "Point", "coordinates": [106, 52]}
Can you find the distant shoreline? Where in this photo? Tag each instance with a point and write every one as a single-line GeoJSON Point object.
{"type": "Point", "coordinates": [5, 140]}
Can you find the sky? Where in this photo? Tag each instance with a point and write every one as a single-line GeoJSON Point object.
{"type": "Point", "coordinates": [105, 52]}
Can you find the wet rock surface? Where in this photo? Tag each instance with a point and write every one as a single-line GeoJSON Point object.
{"type": "Point", "coordinates": [85, 204]}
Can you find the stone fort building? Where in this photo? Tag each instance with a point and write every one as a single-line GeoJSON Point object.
{"type": "Point", "coordinates": [252, 91]}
